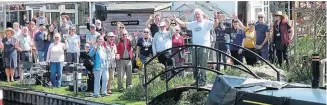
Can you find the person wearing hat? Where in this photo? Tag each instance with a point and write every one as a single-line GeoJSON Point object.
{"type": "Point", "coordinates": [10, 53]}
{"type": "Point", "coordinates": [73, 43]}
{"type": "Point", "coordinates": [163, 40]}
{"type": "Point", "coordinates": [282, 37]}
{"type": "Point", "coordinates": [111, 51]}
{"type": "Point", "coordinates": [92, 35]}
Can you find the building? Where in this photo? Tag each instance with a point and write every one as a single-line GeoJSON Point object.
{"type": "Point", "coordinates": [134, 14]}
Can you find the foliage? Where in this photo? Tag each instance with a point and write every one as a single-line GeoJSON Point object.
{"type": "Point", "coordinates": [153, 68]}
{"type": "Point", "coordinates": [232, 72]}
{"type": "Point", "coordinates": [197, 97]}
{"type": "Point", "coordinates": [300, 60]}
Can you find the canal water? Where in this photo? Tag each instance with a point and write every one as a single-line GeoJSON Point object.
{"type": "Point", "coordinates": [7, 102]}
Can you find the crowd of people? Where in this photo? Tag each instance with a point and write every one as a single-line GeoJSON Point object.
{"type": "Point", "coordinates": [114, 52]}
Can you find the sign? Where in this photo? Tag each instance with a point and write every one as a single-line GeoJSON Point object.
{"type": "Point", "coordinates": [129, 22]}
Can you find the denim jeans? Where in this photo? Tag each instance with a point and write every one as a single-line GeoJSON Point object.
{"type": "Point", "coordinates": [56, 69]}
{"type": "Point", "coordinates": [101, 72]}
{"type": "Point", "coordinates": [41, 55]}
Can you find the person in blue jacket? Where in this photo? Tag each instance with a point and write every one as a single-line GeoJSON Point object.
{"type": "Point", "coordinates": [100, 68]}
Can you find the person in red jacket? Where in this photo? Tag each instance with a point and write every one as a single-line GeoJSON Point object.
{"type": "Point", "coordinates": [124, 64]}
{"type": "Point", "coordinates": [282, 37]}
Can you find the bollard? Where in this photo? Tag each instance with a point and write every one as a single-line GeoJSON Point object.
{"type": "Point", "coordinates": [315, 62]}
{"type": "Point", "coordinates": [322, 75]}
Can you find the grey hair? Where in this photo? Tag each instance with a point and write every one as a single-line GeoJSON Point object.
{"type": "Point", "coordinates": [16, 23]}
{"type": "Point", "coordinates": [198, 10]}
{"type": "Point", "coordinates": [261, 14]}
{"type": "Point", "coordinates": [177, 28]}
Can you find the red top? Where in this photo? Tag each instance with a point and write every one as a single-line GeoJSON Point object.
{"type": "Point", "coordinates": [120, 48]}
{"type": "Point", "coordinates": [177, 41]}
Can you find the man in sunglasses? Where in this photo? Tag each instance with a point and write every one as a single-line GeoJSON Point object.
{"type": "Point", "coordinates": [262, 36]}
{"type": "Point", "coordinates": [200, 36]}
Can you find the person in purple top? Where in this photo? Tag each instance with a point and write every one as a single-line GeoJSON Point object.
{"type": "Point", "coordinates": [262, 35]}
{"type": "Point", "coordinates": [236, 37]}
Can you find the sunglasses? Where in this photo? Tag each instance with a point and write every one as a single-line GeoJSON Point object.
{"type": "Point", "coordinates": [260, 17]}
{"type": "Point", "coordinates": [146, 32]}
{"type": "Point", "coordinates": [173, 23]}
{"type": "Point", "coordinates": [121, 27]}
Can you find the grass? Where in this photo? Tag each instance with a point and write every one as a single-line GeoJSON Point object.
{"type": "Point", "coordinates": [112, 99]}
{"type": "Point", "coordinates": [155, 89]}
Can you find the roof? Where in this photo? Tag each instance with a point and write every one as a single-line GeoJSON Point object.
{"type": "Point", "coordinates": [207, 8]}
{"type": "Point", "coordinates": [132, 6]}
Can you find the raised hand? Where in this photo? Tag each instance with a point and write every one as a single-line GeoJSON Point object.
{"type": "Point", "coordinates": [234, 16]}
{"type": "Point", "coordinates": [151, 16]}
{"type": "Point", "coordinates": [187, 13]}
{"type": "Point", "coordinates": [136, 33]}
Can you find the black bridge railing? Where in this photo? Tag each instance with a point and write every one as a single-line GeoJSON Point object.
{"type": "Point", "coordinates": [181, 48]}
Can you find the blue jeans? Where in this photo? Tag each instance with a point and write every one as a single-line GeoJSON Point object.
{"type": "Point", "coordinates": [102, 72]}
{"type": "Point", "coordinates": [41, 55]}
{"type": "Point", "coordinates": [264, 52]}
{"type": "Point", "coordinates": [143, 59]}
{"type": "Point", "coordinates": [56, 69]}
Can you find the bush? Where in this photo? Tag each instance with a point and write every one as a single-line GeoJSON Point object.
{"type": "Point", "coordinates": [300, 60]}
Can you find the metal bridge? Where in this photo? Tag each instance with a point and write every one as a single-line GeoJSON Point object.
{"type": "Point", "coordinates": [231, 81]}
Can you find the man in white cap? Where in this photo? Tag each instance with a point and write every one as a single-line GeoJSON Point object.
{"type": "Point", "coordinates": [200, 36]}
{"type": "Point", "coordinates": [112, 57]}
{"type": "Point", "coordinates": [162, 41]}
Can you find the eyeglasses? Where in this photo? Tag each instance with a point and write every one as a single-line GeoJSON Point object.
{"type": "Point", "coordinates": [260, 17]}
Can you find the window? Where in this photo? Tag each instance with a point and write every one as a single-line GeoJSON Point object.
{"type": "Point", "coordinates": [83, 13]}
{"type": "Point", "coordinates": [52, 6]}
{"type": "Point", "coordinates": [257, 10]}
{"type": "Point", "coordinates": [69, 6]}
{"type": "Point", "coordinates": [2, 21]}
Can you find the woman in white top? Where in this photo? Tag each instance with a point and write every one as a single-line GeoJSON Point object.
{"type": "Point", "coordinates": [111, 51]}
{"type": "Point", "coordinates": [73, 45]}
{"type": "Point", "coordinates": [56, 59]}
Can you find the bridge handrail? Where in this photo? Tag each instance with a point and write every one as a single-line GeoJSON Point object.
{"type": "Point", "coordinates": [262, 59]}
